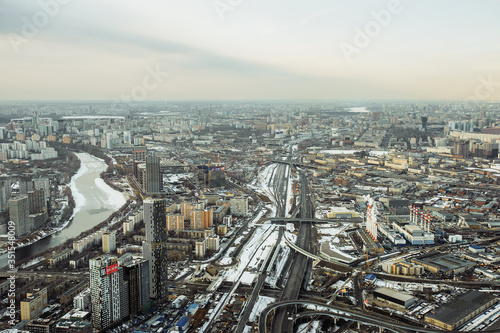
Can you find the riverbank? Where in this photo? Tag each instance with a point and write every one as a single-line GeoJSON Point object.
{"type": "Point", "coordinates": [71, 167]}
{"type": "Point", "coordinates": [96, 204]}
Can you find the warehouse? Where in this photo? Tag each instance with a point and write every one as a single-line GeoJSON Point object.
{"type": "Point", "coordinates": [452, 315]}
{"type": "Point", "coordinates": [394, 297]}
{"type": "Point", "coordinates": [446, 264]}
{"type": "Point", "coordinates": [369, 244]}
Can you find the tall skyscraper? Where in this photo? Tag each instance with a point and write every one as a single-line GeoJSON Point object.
{"type": "Point", "coordinates": [19, 214]}
{"type": "Point", "coordinates": [154, 181]}
{"type": "Point", "coordinates": [109, 292]}
{"type": "Point", "coordinates": [136, 272]}
{"type": "Point", "coordinates": [5, 192]}
{"type": "Point", "coordinates": [154, 247]}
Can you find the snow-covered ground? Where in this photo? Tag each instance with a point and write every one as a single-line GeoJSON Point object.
{"type": "Point", "coordinates": [330, 236]}
{"type": "Point", "coordinates": [311, 327]}
{"type": "Point", "coordinates": [255, 252]}
{"type": "Point", "coordinates": [260, 304]}
{"type": "Point", "coordinates": [224, 261]}
{"type": "Point", "coordinates": [175, 178]}
{"type": "Point", "coordinates": [77, 196]}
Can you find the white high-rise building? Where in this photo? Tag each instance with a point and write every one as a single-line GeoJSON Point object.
{"type": "Point", "coordinates": [371, 218]}
{"type": "Point", "coordinates": [109, 292]}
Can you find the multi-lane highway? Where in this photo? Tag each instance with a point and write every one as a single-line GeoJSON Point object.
{"type": "Point", "coordinates": [347, 314]}
{"type": "Point", "coordinates": [283, 316]}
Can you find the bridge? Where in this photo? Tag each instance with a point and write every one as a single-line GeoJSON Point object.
{"type": "Point", "coordinates": [311, 255]}
{"type": "Point", "coordinates": [348, 314]}
{"type": "Point", "coordinates": [313, 220]}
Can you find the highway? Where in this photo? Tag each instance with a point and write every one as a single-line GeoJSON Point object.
{"type": "Point", "coordinates": [282, 319]}
{"type": "Point", "coordinates": [347, 314]}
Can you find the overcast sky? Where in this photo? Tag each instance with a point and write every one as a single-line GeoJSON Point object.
{"type": "Point", "coordinates": [249, 49]}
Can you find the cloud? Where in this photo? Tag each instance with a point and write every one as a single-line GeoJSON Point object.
{"type": "Point", "coordinates": [301, 22]}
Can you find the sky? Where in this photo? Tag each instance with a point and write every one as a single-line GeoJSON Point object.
{"type": "Point", "coordinates": [249, 49]}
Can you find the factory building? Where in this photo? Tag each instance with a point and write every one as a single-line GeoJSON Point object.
{"type": "Point", "coordinates": [402, 267]}
{"type": "Point", "coordinates": [394, 237]}
{"type": "Point", "coordinates": [369, 244]}
{"type": "Point", "coordinates": [452, 315]}
{"type": "Point", "coordinates": [413, 233]}
{"type": "Point", "coordinates": [443, 263]}
{"type": "Point", "coordinates": [394, 298]}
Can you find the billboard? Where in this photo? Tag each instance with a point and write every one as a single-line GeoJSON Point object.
{"type": "Point", "coordinates": [109, 270]}
{"type": "Point", "coordinates": [112, 269]}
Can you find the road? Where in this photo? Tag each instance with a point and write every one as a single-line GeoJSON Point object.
{"type": "Point", "coordinates": [347, 314]}
{"type": "Point", "coordinates": [46, 274]}
{"type": "Point", "coordinates": [282, 319]}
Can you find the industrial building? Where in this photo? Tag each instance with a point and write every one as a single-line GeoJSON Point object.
{"type": "Point", "coordinates": [452, 315]}
{"type": "Point", "coordinates": [394, 237]}
{"type": "Point", "coordinates": [413, 233]}
{"type": "Point", "coordinates": [443, 263]}
{"type": "Point", "coordinates": [341, 213]}
{"type": "Point", "coordinates": [369, 244]}
{"type": "Point", "coordinates": [402, 267]}
{"type": "Point", "coordinates": [395, 298]}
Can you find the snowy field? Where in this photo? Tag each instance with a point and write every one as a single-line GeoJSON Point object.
{"type": "Point", "coordinates": [255, 252]}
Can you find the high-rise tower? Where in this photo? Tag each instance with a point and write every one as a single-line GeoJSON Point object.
{"type": "Point", "coordinates": [108, 292]}
{"type": "Point", "coordinates": [154, 181]}
{"type": "Point", "coordinates": [154, 247]}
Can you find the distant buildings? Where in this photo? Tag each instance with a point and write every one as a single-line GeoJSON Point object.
{"type": "Point", "coordinates": [5, 192]}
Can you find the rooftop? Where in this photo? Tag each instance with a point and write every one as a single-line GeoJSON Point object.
{"type": "Point", "coordinates": [454, 311]}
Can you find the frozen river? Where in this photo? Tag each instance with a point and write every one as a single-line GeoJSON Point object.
{"type": "Point", "coordinates": [95, 201]}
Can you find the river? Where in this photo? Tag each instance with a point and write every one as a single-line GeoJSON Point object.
{"type": "Point", "coordinates": [95, 201]}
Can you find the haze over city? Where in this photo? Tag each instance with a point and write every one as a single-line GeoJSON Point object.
{"type": "Point", "coordinates": [245, 166]}
{"type": "Point", "coordinates": [220, 49]}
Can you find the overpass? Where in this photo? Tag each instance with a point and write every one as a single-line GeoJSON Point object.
{"type": "Point", "coordinates": [347, 314]}
{"type": "Point", "coordinates": [311, 255]}
{"type": "Point", "coordinates": [313, 220]}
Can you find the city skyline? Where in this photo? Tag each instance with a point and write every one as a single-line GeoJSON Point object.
{"type": "Point", "coordinates": [249, 50]}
